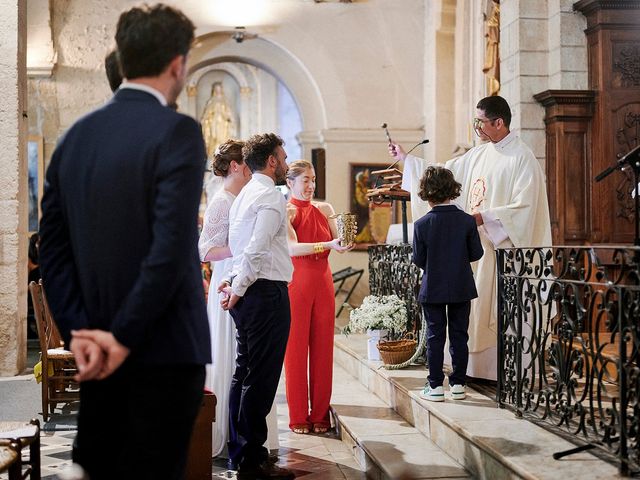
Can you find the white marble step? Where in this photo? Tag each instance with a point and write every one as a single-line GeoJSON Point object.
{"type": "Point", "coordinates": [381, 440]}
{"type": "Point", "coordinates": [487, 441]}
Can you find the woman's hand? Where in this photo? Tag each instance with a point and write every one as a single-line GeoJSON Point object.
{"type": "Point", "coordinates": [335, 245]}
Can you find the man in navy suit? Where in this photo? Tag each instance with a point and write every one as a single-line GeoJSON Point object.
{"type": "Point", "coordinates": [120, 263]}
{"type": "Point", "coordinates": [445, 242]}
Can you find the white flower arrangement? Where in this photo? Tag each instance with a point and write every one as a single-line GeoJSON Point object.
{"type": "Point", "coordinates": [387, 312]}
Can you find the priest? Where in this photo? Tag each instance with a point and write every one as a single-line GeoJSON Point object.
{"type": "Point", "coordinates": [503, 187]}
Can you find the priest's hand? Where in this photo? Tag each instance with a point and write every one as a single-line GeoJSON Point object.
{"type": "Point", "coordinates": [478, 217]}
{"type": "Point", "coordinates": [397, 152]}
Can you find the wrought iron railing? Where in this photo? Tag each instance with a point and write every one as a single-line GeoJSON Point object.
{"type": "Point", "coordinates": [568, 343]}
{"type": "Point", "coordinates": [392, 273]}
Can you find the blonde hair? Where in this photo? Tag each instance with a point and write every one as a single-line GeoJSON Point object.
{"type": "Point", "coordinates": [297, 168]}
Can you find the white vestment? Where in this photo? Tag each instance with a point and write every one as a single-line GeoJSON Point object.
{"type": "Point", "coordinates": [505, 183]}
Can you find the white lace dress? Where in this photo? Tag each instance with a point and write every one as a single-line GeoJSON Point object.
{"type": "Point", "coordinates": [215, 233]}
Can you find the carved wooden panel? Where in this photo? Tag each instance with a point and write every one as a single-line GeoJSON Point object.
{"type": "Point", "coordinates": [568, 163]}
{"type": "Point", "coordinates": [576, 174]}
{"type": "Point", "coordinates": [626, 65]}
{"type": "Point", "coordinates": [613, 43]}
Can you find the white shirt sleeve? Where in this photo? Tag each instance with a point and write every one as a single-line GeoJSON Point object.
{"type": "Point", "coordinates": [494, 228]}
{"type": "Point", "coordinates": [268, 221]}
{"type": "Point", "coordinates": [412, 172]}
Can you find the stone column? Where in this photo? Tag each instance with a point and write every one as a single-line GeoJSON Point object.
{"type": "Point", "coordinates": [439, 93]}
{"type": "Point", "coordinates": [524, 33]}
{"type": "Point", "coordinates": [13, 187]}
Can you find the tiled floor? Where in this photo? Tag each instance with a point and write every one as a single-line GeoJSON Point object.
{"type": "Point", "coordinates": [309, 456]}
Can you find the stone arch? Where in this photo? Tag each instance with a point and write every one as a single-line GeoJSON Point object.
{"type": "Point", "coordinates": [217, 47]}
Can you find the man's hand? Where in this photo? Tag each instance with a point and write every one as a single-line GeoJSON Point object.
{"type": "Point", "coordinates": [89, 358]}
{"type": "Point", "coordinates": [478, 217]}
{"type": "Point", "coordinates": [115, 352]}
{"type": "Point", "coordinates": [229, 301]}
{"type": "Point", "coordinates": [397, 152]}
{"type": "Point", "coordinates": [224, 285]}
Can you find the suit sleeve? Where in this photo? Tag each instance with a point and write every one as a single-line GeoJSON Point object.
{"type": "Point", "coordinates": [419, 250]}
{"type": "Point", "coordinates": [178, 184]}
{"type": "Point", "coordinates": [474, 245]}
{"type": "Point", "coordinates": [59, 274]}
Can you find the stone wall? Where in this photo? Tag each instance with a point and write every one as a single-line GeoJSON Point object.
{"type": "Point", "coordinates": [542, 46]}
{"type": "Point", "coordinates": [13, 184]}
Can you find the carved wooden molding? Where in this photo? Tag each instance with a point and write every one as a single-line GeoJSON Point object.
{"type": "Point", "coordinates": [564, 105]}
{"type": "Point", "coordinates": [589, 6]}
{"type": "Point", "coordinates": [563, 97]}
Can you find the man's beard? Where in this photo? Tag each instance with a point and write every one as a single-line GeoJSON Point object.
{"type": "Point", "coordinates": [281, 176]}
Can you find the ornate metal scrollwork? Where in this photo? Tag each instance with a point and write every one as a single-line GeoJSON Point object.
{"type": "Point", "coordinates": [569, 343]}
{"type": "Point", "coordinates": [392, 273]}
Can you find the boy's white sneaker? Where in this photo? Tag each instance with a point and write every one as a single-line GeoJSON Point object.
{"type": "Point", "coordinates": [433, 394]}
{"type": "Point", "coordinates": [458, 392]}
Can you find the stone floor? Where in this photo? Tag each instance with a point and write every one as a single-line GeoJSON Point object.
{"type": "Point", "coordinates": [309, 456]}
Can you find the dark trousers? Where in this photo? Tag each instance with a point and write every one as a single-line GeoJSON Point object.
{"type": "Point", "coordinates": [262, 319]}
{"type": "Point", "coordinates": [137, 423]}
{"type": "Point", "coordinates": [455, 316]}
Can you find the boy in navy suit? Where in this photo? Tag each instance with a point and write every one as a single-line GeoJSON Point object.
{"type": "Point", "coordinates": [445, 242]}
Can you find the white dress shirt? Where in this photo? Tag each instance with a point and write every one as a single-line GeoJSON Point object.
{"type": "Point", "coordinates": [258, 235]}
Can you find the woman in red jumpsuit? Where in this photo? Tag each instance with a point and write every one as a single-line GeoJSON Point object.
{"type": "Point", "coordinates": [312, 235]}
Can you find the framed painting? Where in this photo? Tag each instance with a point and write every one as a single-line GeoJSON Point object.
{"type": "Point", "coordinates": [35, 175]}
{"type": "Point", "coordinates": [374, 218]}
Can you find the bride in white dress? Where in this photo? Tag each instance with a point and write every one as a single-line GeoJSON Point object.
{"type": "Point", "coordinates": [213, 246]}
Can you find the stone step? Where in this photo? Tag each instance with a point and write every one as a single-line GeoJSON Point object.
{"type": "Point", "coordinates": [487, 441]}
{"type": "Point", "coordinates": [384, 445]}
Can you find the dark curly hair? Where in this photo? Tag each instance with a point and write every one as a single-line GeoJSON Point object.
{"type": "Point", "coordinates": [438, 185]}
{"type": "Point", "coordinates": [150, 37]}
{"type": "Point", "coordinates": [228, 151]}
{"type": "Point", "coordinates": [257, 149]}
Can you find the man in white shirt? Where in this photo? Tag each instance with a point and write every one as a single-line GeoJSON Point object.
{"type": "Point", "coordinates": [258, 298]}
{"type": "Point", "coordinates": [503, 187]}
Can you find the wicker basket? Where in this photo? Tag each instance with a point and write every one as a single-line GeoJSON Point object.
{"type": "Point", "coordinates": [397, 351]}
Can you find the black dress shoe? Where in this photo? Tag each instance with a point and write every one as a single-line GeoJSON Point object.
{"type": "Point", "coordinates": [264, 471]}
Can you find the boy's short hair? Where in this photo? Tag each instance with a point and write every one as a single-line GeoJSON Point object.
{"type": "Point", "coordinates": [438, 185]}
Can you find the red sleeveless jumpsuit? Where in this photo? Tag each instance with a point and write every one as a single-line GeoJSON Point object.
{"type": "Point", "coordinates": [312, 301]}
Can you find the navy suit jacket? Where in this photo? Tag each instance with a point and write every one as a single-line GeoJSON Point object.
{"type": "Point", "coordinates": [119, 234]}
{"type": "Point", "coordinates": [445, 242]}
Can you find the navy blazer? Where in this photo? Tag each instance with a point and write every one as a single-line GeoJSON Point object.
{"type": "Point", "coordinates": [445, 242]}
{"type": "Point", "coordinates": [119, 232]}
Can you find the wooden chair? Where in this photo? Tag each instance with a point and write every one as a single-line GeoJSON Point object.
{"type": "Point", "coordinates": [9, 459]}
{"type": "Point", "coordinates": [58, 364]}
{"type": "Point", "coordinates": [14, 436]}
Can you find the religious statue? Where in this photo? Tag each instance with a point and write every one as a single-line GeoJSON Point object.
{"type": "Point", "coordinates": [218, 119]}
{"type": "Point", "coordinates": [491, 66]}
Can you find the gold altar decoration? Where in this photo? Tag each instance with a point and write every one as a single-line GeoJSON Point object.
{"type": "Point", "coordinates": [218, 119]}
{"type": "Point", "coordinates": [491, 67]}
{"type": "Point", "coordinates": [347, 226]}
